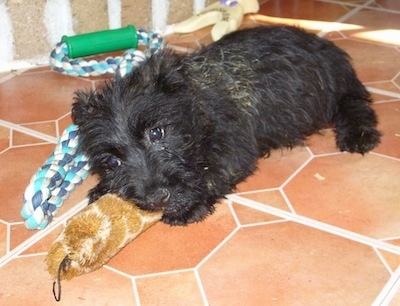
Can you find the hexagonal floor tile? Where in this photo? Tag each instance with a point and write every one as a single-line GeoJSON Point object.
{"type": "Point", "coordinates": [18, 166]}
{"type": "Point", "coordinates": [275, 170]}
{"type": "Point", "coordinates": [312, 10]}
{"type": "Point", "coordinates": [354, 193]}
{"type": "Point", "coordinates": [33, 281]}
{"type": "Point", "coordinates": [3, 239]}
{"type": "Point", "coordinates": [163, 248]}
{"type": "Point", "coordinates": [379, 63]}
{"type": "Point", "coordinates": [4, 138]}
{"type": "Point", "coordinates": [172, 289]}
{"type": "Point", "coordinates": [23, 100]}
{"type": "Point", "coordinates": [272, 198]}
{"type": "Point", "coordinates": [389, 124]}
{"type": "Point", "coordinates": [285, 263]}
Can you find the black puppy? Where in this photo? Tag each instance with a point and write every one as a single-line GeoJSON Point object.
{"type": "Point", "coordinates": [179, 132]}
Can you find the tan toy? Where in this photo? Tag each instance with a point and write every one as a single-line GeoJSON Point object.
{"type": "Point", "coordinates": [227, 15]}
{"type": "Point", "coordinates": [93, 236]}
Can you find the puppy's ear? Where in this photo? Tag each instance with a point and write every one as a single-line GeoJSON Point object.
{"type": "Point", "coordinates": [81, 108]}
{"type": "Point", "coordinates": [88, 105]}
{"type": "Point", "coordinates": [170, 78]}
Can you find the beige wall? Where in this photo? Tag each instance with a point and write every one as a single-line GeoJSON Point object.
{"type": "Point", "coordinates": [31, 31]}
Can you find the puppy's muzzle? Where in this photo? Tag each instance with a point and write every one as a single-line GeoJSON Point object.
{"type": "Point", "coordinates": [158, 199]}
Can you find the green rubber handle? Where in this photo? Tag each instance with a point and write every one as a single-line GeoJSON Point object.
{"type": "Point", "coordinates": [101, 42]}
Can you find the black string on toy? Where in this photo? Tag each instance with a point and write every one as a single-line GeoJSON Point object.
{"type": "Point", "coordinates": [65, 263]}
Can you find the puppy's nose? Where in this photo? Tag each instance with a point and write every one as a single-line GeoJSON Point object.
{"type": "Point", "coordinates": [158, 198]}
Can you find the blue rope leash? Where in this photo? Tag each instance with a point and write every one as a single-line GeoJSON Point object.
{"type": "Point", "coordinates": [53, 182]}
{"type": "Point", "coordinates": [66, 168]}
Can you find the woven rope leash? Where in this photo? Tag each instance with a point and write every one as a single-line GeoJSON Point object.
{"type": "Point", "coordinates": [132, 58]}
{"type": "Point", "coordinates": [66, 168]}
{"type": "Point", "coordinates": [54, 181]}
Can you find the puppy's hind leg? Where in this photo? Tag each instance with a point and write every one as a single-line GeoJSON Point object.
{"type": "Point", "coordinates": [356, 122]}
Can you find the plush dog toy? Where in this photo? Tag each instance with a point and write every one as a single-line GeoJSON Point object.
{"type": "Point", "coordinates": [93, 236]}
{"type": "Point", "coordinates": [226, 15]}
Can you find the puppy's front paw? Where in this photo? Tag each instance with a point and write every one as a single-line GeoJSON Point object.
{"type": "Point", "coordinates": [196, 214]}
{"type": "Point", "coordinates": [360, 140]}
{"type": "Point", "coordinates": [95, 193]}
{"type": "Point", "coordinates": [173, 221]}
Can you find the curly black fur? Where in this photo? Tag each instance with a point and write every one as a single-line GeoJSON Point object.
{"type": "Point", "coordinates": [182, 131]}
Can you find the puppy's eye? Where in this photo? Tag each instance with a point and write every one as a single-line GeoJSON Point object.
{"type": "Point", "coordinates": [113, 162]}
{"type": "Point", "coordinates": [156, 134]}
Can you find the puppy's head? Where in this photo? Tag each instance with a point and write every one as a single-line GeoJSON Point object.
{"type": "Point", "coordinates": [147, 138]}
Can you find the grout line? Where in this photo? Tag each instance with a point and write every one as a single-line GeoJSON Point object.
{"type": "Point", "coordinates": [384, 92]}
{"type": "Point", "coordinates": [317, 225]}
{"type": "Point", "coordinates": [233, 212]}
{"type": "Point", "coordinates": [338, 2]}
{"type": "Point", "coordinates": [8, 238]}
{"type": "Point", "coordinates": [198, 5]}
{"type": "Point", "coordinates": [330, 154]}
{"type": "Point", "coordinates": [348, 15]}
{"type": "Point", "coordinates": [135, 291]}
{"type": "Point", "coordinates": [25, 245]}
{"type": "Point", "coordinates": [218, 247]}
{"type": "Point", "coordinates": [201, 287]}
{"type": "Point", "coordinates": [390, 238]}
{"type": "Point", "coordinates": [7, 77]}
{"type": "Point", "coordinates": [389, 290]}
{"type": "Point", "coordinates": [384, 156]}
{"type": "Point", "coordinates": [298, 170]}
{"type": "Point", "coordinates": [114, 11]}
{"type": "Point", "coordinates": [179, 49]}
{"type": "Point", "coordinates": [159, 14]}
{"type": "Point", "coordinates": [168, 272]}
{"type": "Point", "coordinates": [28, 131]}
{"type": "Point", "coordinates": [41, 233]}
{"type": "Point", "coordinates": [58, 20]}
{"type": "Point", "coordinates": [385, 263]}
{"type": "Point", "coordinates": [256, 191]}
{"type": "Point", "coordinates": [385, 101]}
{"type": "Point", "coordinates": [29, 145]}
{"type": "Point", "coordinates": [380, 9]}
{"type": "Point", "coordinates": [264, 223]}
{"type": "Point", "coordinates": [33, 254]}
{"type": "Point", "coordinates": [394, 79]}
{"type": "Point", "coordinates": [11, 138]}
{"type": "Point", "coordinates": [6, 33]}
{"type": "Point", "coordinates": [122, 273]}
{"type": "Point", "coordinates": [287, 201]}
{"type": "Point", "coordinates": [126, 275]}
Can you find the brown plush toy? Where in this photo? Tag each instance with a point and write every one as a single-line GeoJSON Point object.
{"type": "Point", "coordinates": [93, 236]}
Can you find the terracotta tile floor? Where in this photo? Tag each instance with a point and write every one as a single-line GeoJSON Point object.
{"type": "Point", "coordinates": [313, 226]}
